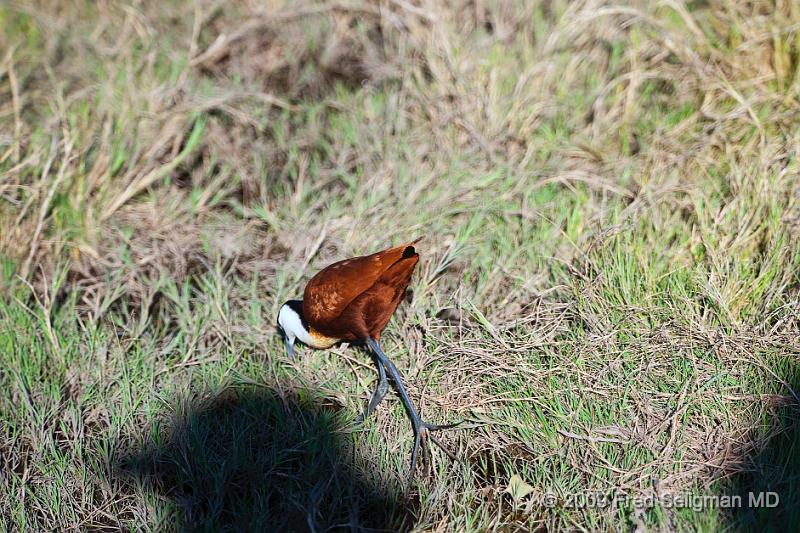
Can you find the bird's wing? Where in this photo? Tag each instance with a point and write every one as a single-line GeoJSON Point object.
{"type": "Point", "coordinates": [334, 287]}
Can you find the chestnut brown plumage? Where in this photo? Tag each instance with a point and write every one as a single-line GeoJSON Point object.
{"type": "Point", "coordinates": [355, 298]}
{"type": "Point", "coordinates": [352, 301]}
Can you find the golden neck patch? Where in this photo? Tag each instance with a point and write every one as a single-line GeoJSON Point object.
{"type": "Point", "coordinates": [320, 341]}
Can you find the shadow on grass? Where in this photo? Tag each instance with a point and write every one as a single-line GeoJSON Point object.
{"type": "Point", "coordinates": [247, 459]}
{"type": "Point", "coordinates": [775, 468]}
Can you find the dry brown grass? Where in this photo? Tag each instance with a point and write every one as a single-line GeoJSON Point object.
{"type": "Point", "coordinates": [608, 191]}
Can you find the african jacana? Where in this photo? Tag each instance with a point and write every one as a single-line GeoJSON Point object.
{"type": "Point", "coordinates": [352, 301]}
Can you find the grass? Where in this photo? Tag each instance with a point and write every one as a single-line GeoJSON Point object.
{"type": "Point", "coordinates": [608, 290]}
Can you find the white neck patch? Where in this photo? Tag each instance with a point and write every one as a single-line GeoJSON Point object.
{"type": "Point", "coordinates": [293, 326]}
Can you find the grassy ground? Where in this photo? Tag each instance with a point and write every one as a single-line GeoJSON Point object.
{"type": "Point", "coordinates": [608, 290]}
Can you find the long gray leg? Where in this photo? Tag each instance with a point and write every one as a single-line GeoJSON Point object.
{"type": "Point", "coordinates": [379, 394]}
{"type": "Point", "coordinates": [419, 426]}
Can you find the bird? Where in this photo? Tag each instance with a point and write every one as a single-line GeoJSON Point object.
{"type": "Point", "coordinates": [352, 301]}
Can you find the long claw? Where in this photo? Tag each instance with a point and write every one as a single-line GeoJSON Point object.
{"type": "Point", "coordinates": [440, 427]}
{"type": "Point", "coordinates": [414, 454]}
{"type": "Point", "coordinates": [421, 428]}
{"type": "Point", "coordinates": [420, 436]}
{"type": "Point", "coordinates": [447, 452]}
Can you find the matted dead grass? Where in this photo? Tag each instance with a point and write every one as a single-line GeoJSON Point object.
{"type": "Point", "coordinates": [609, 194]}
